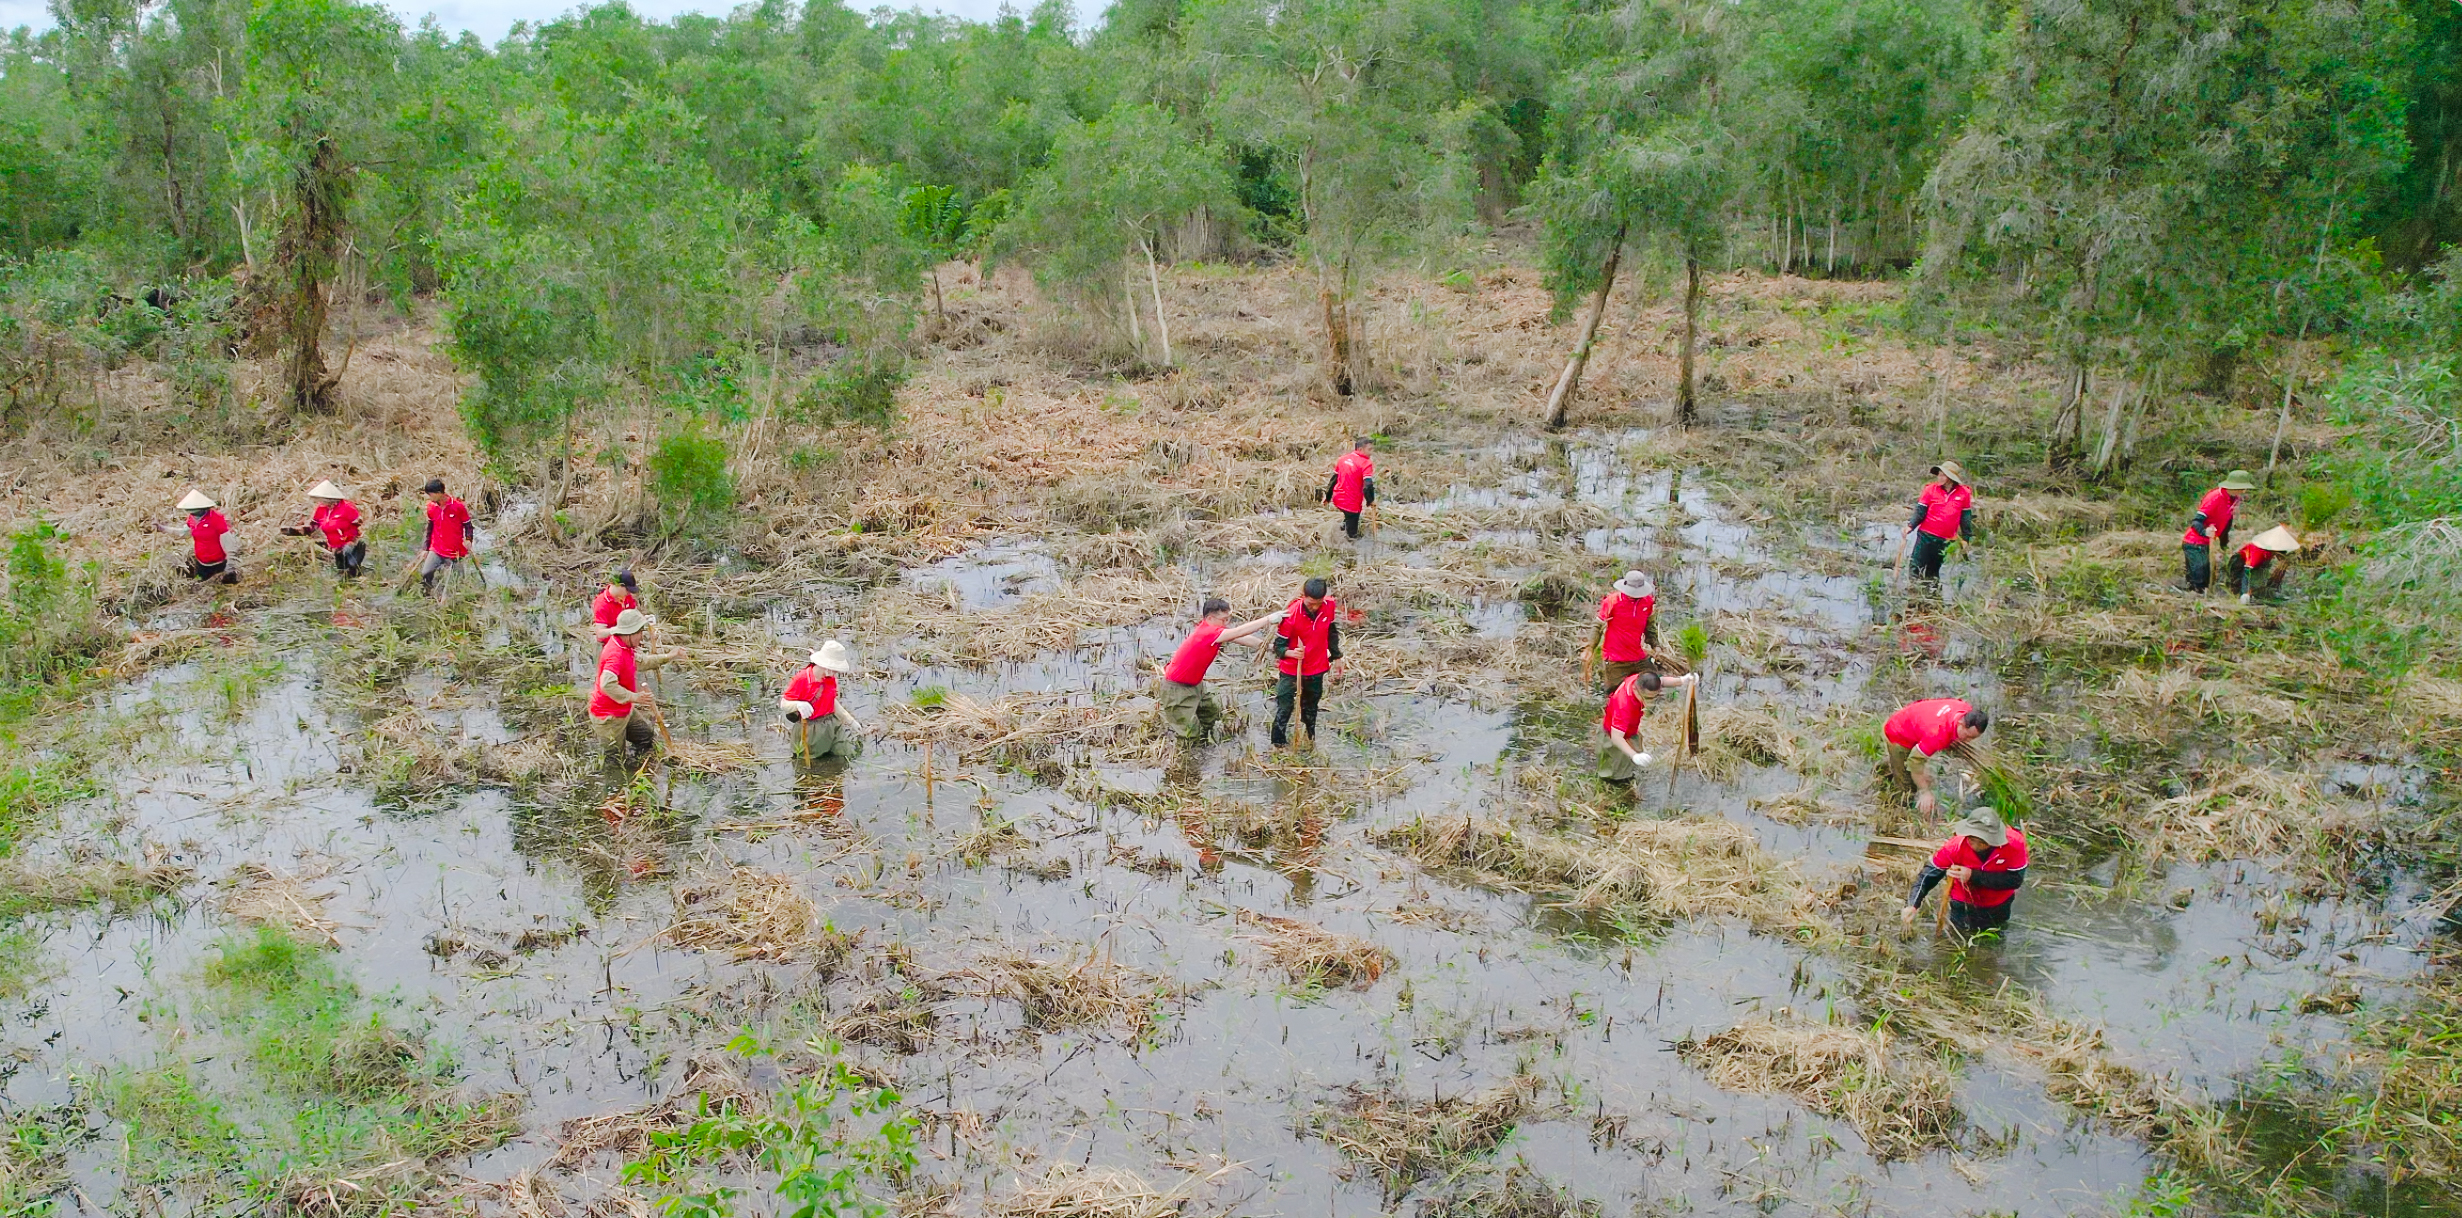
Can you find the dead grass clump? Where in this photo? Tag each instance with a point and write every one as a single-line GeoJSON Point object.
{"type": "Point", "coordinates": [2247, 812]}
{"type": "Point", "coordinates": [1070, 1191]}
{"type": "Point", "coordinates": [1025, 727]}
{"type": "Point", "coordinates": [1405, 1139]}
{"type": "Point", "coordinates": [370, 1189]}
{"type": "Point", "coordinates": [1515, 1192]}
{"type": "Point", "coordinates": [1312, 955]}
{"type": "Point", "coordinates": [87, 877]}
{"type": "Point", "coordinates": [261, 896]}
{"type": "Point", "coordinates": [1684, 867]}
{"type": "Point", "coordinates": [886, 1020]}
{"type": "Point", "coordinates": [1733, 737]}
{"type": "Point", "coordinates": [1901, 1107]}
{"type": "Point", "coordinates": [1071, 993]}
{"type": "Point", "coordinates": [1106, 504]}
{"type": "Point", "coordinates": [709, 757]}
{"type": "Point", "coordinates": [710, 1081]}
{"type": "Point", "coordinates": [2080, 1072]}
{"type": "Point", "coordinates": [750, 915]}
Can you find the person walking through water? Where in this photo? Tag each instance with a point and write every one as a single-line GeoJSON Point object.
{"type": "Point", "coordinates": [449, 534]}
{"type": "Point", "coordinates": [1985, 864]}
{"type": "Point", "coordinates": [1620, 761]}
{"type": "Point", "coordinates": [621, 593]}
{"type": "Point", "coordinates": [207, 560]}
{"type": "Point", "coordinates": [1944, 512]}
{"type": "Point", "coordinates": [615, 694]}
{"type": "Point", "coordinates": [1188, 709]}
{"type": "Point", "coordinates": [1627, 629]}
{"type": "Point", "coordinates": [822, 727]}
{"type": "Point", "coordinates": [2210, 526]}
{"type": "Point", "coordinates": [1922, 729]}
{"type": "Point", "coordinates": [1352, 489]}
{"type": "Point", "coordinates": [1306, 644]}
{"type": "Point", "coordinates": [335, 520]}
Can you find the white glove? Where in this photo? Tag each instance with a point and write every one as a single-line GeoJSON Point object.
{"type": "Point", "coordinates": [1277, 615]}
{"type": "Point", "coordinates": [1641, 759]}
{"type": "Point", "coordinates": [2243, 598]}
{"type": "Point", "coordinates": [796, 708]}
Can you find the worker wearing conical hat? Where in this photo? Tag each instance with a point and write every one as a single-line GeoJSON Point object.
{"type": "Point", "coordinates": [1984, 861]}
{"type": "Point", "coordinates": [208, 560]}
{"type": "Point", "coordinates": [2210, 526]}
{"type": "Point", "coordinates": [2258, 567]}
{"type": "Point", "coordinates": [615, 693]}
{"type": "Point", "coordinates": [1944, 512]}
{"type": "Point", "coordinates": [822, 727]}
{"type": "Point", "coordinates": [335, 520]}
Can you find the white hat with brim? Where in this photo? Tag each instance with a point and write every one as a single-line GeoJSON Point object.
{"type": "Point", "coordinates": [196, 501]}
{"type": "Point", "coordinates": [326, 490]}
{"type": "Point", "coordinates": [1982, 822]}
{"type": "Point", "coordinates": [832, 657]}
{"type": "Point", "coordinates": [631, 621]}
{"type": "Point", "coordinates": [2278, 539]}
{"type": "Point", "coordinates": [1636, 584]}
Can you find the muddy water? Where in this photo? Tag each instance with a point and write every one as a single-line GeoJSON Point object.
{"type": "Point", "coordinates": [2198, 973]}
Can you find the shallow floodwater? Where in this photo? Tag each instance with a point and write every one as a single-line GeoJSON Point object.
{"type": "Point", "coordinates": [2198, 974]}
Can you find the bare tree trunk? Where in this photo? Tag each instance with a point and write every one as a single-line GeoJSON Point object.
{"type": "Point", "coordinates": [1154, 279]}
{"type": "Point", "coordinates": [1337, 341]}
{"type": "Point", "coordinates": [2110, 442]}
{"type": "Point", "coordinates": [1560, 399]}
{"type": "Point", "coordinates": [305, 255]}
{"type": "Point", "coordinates": [1687, 405]}
{"type": "Point", "coordinates": [1128, 296]}
{"type": "Point", "coordinates": [2282, 421]}
{"type": "Point", "coordinates": [2064, 449]}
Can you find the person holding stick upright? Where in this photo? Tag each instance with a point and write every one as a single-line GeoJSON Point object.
{"type": "Point", "coordinates": [1188, 710]}
{"type": "Point", "coordinates": [822, 727]}
{"type": "Point", "coordinates": [1352, 489]}
{"type": "Point", "coordinates": [1306, 644]}
{"type": "Point", "coordinates": [1922, 729]}
{"type": "Point", "coordinates": [1619, 761]}
{"type": "Point", "coordinates": [1944, 512]}
{"type": "Point", "coordinates": [1985, 864]}
{"type": "Point", "coordinates": [616, 691]}
{"type": "Point", "coordinates": [2210, 526]}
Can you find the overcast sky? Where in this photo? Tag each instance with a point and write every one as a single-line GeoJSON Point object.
{"type": "Point", "coordinates": [491, 18]}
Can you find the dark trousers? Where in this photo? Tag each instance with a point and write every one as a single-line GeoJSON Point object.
{"type": "Point", "coordinates": [1929, 551]}
{"type": "Point", "coordinates": [1969, 919]}
{"type": "Point", "coordinates": [1350, 525]}
{"type": "Point", "coordinates": [1309, 691]}
{"type": "Point", "coordinates": [212, 571]}
{"type": "Point", "coordinates": [2200, 563]}
{"type": "Point", "coordinates": [350, 558]}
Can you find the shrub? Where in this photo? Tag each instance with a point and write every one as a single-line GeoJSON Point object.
{"type": "Point", "coordinates": [691, 481]}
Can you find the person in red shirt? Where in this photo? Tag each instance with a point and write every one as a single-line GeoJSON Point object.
{"type": "Point", "coordinates": [1944, 512]}
{"type": "Point", "coordinates": [1309, 626]}
{"type": "Point", "coordinates": [206, 525]}
{"type": "Point", "coordinates": [1923, 729]}
{"type": "Point", "coordinates": [1353, 487]}
{"type": "Point", "coordinates": [823, 728]}
{"type": "Point", "coordinates": [616, 691]}
{"type": "Point", "coordinates": [1187, 708]}
{"type": "Point", "coordinates": [449, 533]}
{"type": "Point", "coordinates": [2254, 568]}
{"type": "Point", "coordinates": [334, 519]}
{"type": "Point", "coordinates": [1627, 630]}
{"type": "Point", "coordinates": [1985, 864]}
{"type": "Point", "coordinates": [2210, 526]}
{"type": "Point", "coordinates": [621, 593]}
{"type": "Point", "coordinates": [1619, 761]}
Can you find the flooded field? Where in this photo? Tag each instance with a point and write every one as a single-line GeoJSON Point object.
{"type": "Point", "coordinates": [1257, 982]}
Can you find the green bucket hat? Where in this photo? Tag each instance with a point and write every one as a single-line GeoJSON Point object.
{"type": "Point", "coordinates": [2239, 480]}
{"type": "Point", "coordinates": [1982, 822]}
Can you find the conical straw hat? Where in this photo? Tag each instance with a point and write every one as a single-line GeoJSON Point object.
{"type": "Point", "coordinates": [326, 490]}
{"type": "Point", "coordinates": [194, 501]}
{"type": "Point", "coordinates": [2277, 539]}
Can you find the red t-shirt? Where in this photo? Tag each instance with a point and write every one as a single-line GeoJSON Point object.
{"type": "Point", "coordinates": [205, 532]}
{"type": "Point", "coordinates": [1311, 639]}
{"type": "Point", "coordinates": [615, 656]}
{"type": "Point", "coordinates": [1351, 473]}
{"type": "Point", "coordinates": [444, 528]}
{"type": "Point", "coordinates": [2218, 505]}
{"type": "Point", "coordinates": [812, 686]}
{"type": "Point", "coordinates": [1628, 620]}
{"type": "Point", "coordinates": [1624, 708]}
{"type": "Point", "coordinates": [1957, 852]}
{"type": "Point", "coordinates": [1927, 726]}
{"type": "Point", "coordinates": [2255, 556]}
{"type": "Point", "coordinates": [606, 607]}
{"type": "Point", "coordinates": [338, 521]}
{"type": "Point", "coordinates": [1196, 655]}
{"type": "Point", "coordinates": [1943, 506]}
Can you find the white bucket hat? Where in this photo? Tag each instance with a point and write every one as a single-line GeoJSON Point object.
{"type": "Point", "coordinates": [194, 501]}
{"type": "Point", "coordinates": [326, 490]}
{"type": "Point", "coordinates": [1635, 584]}
{"type": "Point", "coordinates": [631, 621]}
{"type": "Point", "coordinates": [832, 657]}
{"type": "Point", "coordinates": [2277, 539]}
